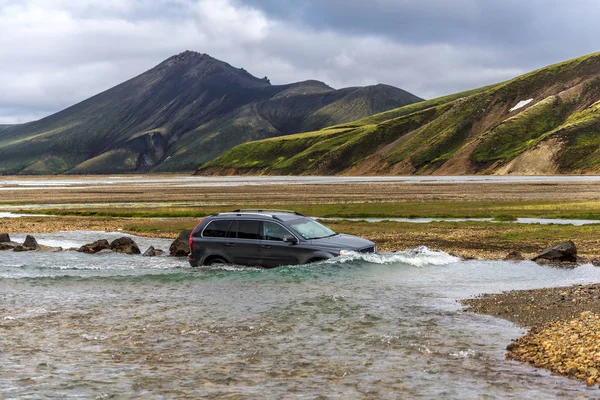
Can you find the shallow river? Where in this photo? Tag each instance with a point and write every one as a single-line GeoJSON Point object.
{"type": "Point", "coordinates": [74, 325]}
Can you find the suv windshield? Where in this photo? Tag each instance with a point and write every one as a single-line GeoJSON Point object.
{"type": "Point", "coordinates": [310, 229]}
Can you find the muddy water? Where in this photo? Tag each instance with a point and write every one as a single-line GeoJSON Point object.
{"type": "Point", "coordinates": [377, 326]}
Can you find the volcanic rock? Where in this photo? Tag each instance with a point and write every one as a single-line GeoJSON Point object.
{"type": "Point", "coordinates": [31, 243]}
{"type": "Point", "coordinates": [561, 252]}
{"type": "Point", "coordinates": [179, 248]}
{"type": "Point", "coordinates": [152, 252]}
{"type": "Point", "coordinates": [124, 245]}
{"type": "Point", "coordinates": [94, 247]}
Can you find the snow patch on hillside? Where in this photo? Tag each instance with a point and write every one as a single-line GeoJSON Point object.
{"type": "Point", "coordinates": [520, 104]}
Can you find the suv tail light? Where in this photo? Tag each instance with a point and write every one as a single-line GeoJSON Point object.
{"type": "Point", "coordinates": [191, 257]}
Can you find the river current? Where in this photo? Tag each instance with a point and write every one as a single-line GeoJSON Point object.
{"type": "Point", "coordinates": [378, 326]}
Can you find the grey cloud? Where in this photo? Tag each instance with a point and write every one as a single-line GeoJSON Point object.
{"type": "Point", "coordinates": [58, 52]}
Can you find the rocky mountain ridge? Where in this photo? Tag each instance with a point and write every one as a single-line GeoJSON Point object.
{"type": "Point", "coordinates": [185, 111]}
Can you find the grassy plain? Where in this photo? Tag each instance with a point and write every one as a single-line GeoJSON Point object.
{"type": "Point", "coordinates": [164, 209]}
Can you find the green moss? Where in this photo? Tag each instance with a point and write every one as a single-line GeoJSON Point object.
{"type": "Point", "coordinates": [518, 133]}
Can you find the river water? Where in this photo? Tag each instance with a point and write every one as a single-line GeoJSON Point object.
{"type": "Point", "coordinates": [380, 326]}
{"type": "Point", "coordinates": [75, 182]}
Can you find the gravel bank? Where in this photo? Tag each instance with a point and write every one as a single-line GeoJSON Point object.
{"type": "Point", "coordinates": [565, 327]}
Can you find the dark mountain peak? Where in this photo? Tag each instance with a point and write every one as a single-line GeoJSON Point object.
{"type": "Point", "coordinates": [189, 56]}
{"type": "Point", "coordinates": [191, 64]}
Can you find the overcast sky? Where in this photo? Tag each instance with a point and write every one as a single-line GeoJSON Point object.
{"type": "Point", "coordinates": [55, 53]}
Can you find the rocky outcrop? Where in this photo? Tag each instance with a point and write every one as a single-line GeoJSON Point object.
{"type": "Point", "coordinates": [94, 247]}
{"type": "Point", "coordinates": [152, 252]}
{"type": "Point", "coordinates": [4, 238]}
{"type": "Point", "coordinates": [31, 243]}
{"type": "Point", "coordinates": [181, 246]}
{"type": "Point", "coordinates": [124, 245]}
{"type": "Point", "coordinates": [561, 252]}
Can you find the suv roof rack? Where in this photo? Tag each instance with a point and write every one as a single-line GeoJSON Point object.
{"type": "Point", "coordinates": [266, 210]}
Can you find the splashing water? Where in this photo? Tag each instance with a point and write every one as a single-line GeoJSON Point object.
{"type": "Point", "coordinates": [417, 257]}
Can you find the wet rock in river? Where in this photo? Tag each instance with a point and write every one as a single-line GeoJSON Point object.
{"type": "Point", "coordinates": [31, 243]}
{"type": "Point", "coordinates": [124, 245]}
{"type": "Point", "coordinates": [561, 252]}
{"type": "Point", "coordinates": [514, 256]}
{"type": "Point", "coordinates": [4, 238]}
{"type": "Point", "coordinates": [94, 247]}
{"type": "Point", "coordinates": [152, 252]}
{"type": "Point", "coordinates": [179, 248]}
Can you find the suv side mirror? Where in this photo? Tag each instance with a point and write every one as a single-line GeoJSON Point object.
{"type": "Point", "coordinates": [290, 239]}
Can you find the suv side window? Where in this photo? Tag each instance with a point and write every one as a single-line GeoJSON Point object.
{"type": "Point", "coordinates": [217, 228]}
{"type": "Point", "coordinates": [273, 231]}
{"type": "Point", "coordinates": [247, 229]}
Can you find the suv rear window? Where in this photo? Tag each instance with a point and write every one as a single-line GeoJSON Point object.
{"type": "Point", "coordinates": [217, 228]}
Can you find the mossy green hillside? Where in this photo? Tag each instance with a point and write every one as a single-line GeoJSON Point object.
{"type": "Point", "coordinates": [471, 132]}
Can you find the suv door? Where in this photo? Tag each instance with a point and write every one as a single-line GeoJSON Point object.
{"type": "Point", "coordinates": [276, 252]}
{"type": "Point", "coordinates": [243, 242]}
{"type": "Point", "coordinates": [213, 239]}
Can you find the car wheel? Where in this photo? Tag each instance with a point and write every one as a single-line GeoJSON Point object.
{"type": "Point", "coordinates": [218, 261]}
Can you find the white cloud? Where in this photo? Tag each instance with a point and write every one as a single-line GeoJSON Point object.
{"type": "Point", "coordinates": [58, 52]}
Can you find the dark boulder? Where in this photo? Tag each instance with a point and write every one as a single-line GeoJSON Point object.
{"type": "Point", "coordinates": [179, 248]}
{"type": "Point", "coordinates": [31, 243]}
{"type": "Point", "coordinates": [514, 256]}
{"type": "Point", "coordinates": [4, 238]}
{"type": "Point", "coordinates": [94, 247]}
{"type": "Point", "coordinates": [152, 252]}
{"type": "Point", "coordinates": [124, 245]}
{"type": "Point", "coordinates": [561, 252]}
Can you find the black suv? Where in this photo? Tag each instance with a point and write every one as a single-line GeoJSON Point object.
{"type": "Point", "coordinates": [268, 239]}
